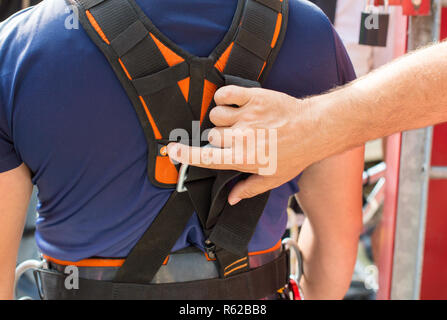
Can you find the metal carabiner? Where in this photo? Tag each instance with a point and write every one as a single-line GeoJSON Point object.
{"type": "Point", "coordinates": [182, 176]}
{"type": "Point", "coordinates": [288, 244]}
{"type": "Point", "coordinates": [25, 266]}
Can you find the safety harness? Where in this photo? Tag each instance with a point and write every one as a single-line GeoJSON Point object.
{"type": "Point", "coordinates": [169, 89]}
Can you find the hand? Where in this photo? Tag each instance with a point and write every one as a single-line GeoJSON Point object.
{"type": "Point", "coordinates": [279, 123]}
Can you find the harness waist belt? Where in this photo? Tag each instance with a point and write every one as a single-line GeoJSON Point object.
{"type": "Point", "coordinates": [189, 264]}
{"type": "Point", "coordinates": [251, 285]}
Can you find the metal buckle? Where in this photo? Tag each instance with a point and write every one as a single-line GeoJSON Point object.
{"type": "Point", "coordinates": [182, 175]}
{"type": "Point", "coordinates": [25, 266]}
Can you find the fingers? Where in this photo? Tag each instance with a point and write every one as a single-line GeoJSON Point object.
{"type": "Point", "coordinates": [224, 116]}
{"type": "Point", "coordinates": [211, 158]}
{"type": "Point", "coordinates": [252, 186]}
{"type": "Point", "coordinates": [230, 95]}
{"type": "Point", "coordinates": [221, 137]}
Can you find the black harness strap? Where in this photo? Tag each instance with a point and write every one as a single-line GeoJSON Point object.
{"type": "Point", "coordinates": [148, 255]}
{"type": "Point", "coordinates": [166, 78]}
{"type": "Point", "coordinates": [127, 43]}
{"type": "Point", "coordinates": [252, 285]}
{"type": "Point", "coordinates": [253, 41]}
{"type": "Point", "coordinates": [150, 68]}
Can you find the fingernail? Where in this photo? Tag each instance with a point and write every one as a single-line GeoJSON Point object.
{"type": "Point", "coordinates": [233, 201]}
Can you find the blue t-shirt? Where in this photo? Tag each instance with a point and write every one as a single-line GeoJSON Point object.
{"type": "Point", "coordinates": [65, 115]}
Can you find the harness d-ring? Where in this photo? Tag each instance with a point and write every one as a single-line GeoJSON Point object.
{"type": "Point", "coordinates": [25, 266]}
{"type": "Point", "coordinates": [288, 244]}
{"type": "Point", "coordinates": [183, 174]}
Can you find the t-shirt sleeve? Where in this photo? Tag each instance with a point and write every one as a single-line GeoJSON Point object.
{"type": "Point", "coordinates": [345, 69]}
{"type": "Point", "coordinates": [9, 158]}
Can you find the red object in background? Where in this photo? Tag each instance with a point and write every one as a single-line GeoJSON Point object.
{"type": "Point", "coordinates": [434, 275]}
{"type": "Point", "coordinates": [390, 2]}
{"type": "Point", "coordinates": [409, 9]}
{"type": "Point", "coordinates": [387, 225]}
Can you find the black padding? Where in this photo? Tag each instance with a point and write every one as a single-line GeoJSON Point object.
{"type": "Point", "coordinates": [198, 69]}
{"type": "Point", "coordinates": [170, 111]}
{"type": "Point", "coordinates": [148, 255]}
{"type": "Point", "coordinates": [113, 16]}
{"type": "Point", "coordinates": [252, 43]}
{"type": "Point", "coordinates": [129, 38]}
{"type": "Point", "coordinates": [144, 59]}
{"type": "Point", "coordinates": [234, 237]}
{"type": "Point", "coordinates": [154, 83]}
{"type": "Point", "coordinates": [244, 64]}
{"type": "Point", "coordinates": [260, 21]}
{"type": "Point", "coordinates": [88, 4]}
{"type": "Point", "coordinates": [241, 82]}
{"type": "Point", "coordinates": [252, 285]}
{"type": "Point", "coordinates": [272, 4]}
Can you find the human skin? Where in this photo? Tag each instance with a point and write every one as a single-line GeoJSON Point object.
{"type": "Point", "coordinates": [406, 94]}
{"type": "Point", "coordinates": [15, 194]}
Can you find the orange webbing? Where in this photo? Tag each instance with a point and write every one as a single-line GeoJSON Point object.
{"type": "Point", "coordinates": [277, 30]}
{"type": "Point", "coordinates": [157, 133]}
{"type": "Point", "coordinates": [184, 87]}
{"type": "Point", "coordinates": [165, 171]}
{"type": "Point", "coordinates": [235, 269]}
{"type": "Point", "coordinates": [95, 262]}
{"type": "Point", "coordinates": [101, 33]}
{"type": "Point", "coordinates": [222, 62]}
{"type": "Point", "coordinates": [96, 26]}
{"type": "Point", "coordinates": [108, 262]}
{"type": "Point", "coordinates": [170, 56]}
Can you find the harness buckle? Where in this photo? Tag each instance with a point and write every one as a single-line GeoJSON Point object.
{"type": "Point", "coordinates": [183, 174]}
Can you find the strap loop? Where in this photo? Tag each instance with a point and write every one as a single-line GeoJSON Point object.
{"type": "Point", "coordinates": [129, 38]}
{"type": "Point", "coordinates": [252, 43]}
{"type": "Point", "coordinates": [164, 79]}
{"type": "Point", "coordinates": [272, 4]}
{"type": "Point", "coordinates": [88, 4]}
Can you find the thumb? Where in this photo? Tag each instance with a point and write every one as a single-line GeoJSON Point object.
{"type": "Point", "coordinates": [250, 187]}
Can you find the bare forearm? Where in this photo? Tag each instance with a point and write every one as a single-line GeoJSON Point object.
{"type": "Point", "coordinates": [327, 266]}
{"type": "Point", "coordinates": [330, 195]}
{"type": "Point", "coordinates": [15, 192]}
{"type": "Point", "coordinates": [407, 94]}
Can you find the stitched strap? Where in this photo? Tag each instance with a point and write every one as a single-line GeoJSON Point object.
{"type": "Point", "coordinates": [255, 284]}
{"type": "Point", "coordinates": [259, 31]}
{"type": "Point", "coordinates": [154, 246]}
{"type": "Point", "coordinates": [151, 73]}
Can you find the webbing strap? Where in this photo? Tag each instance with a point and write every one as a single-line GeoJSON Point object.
{"type": "Point", "coordinates": [253, 285]}
{"type": "Point", "coordinates": [154, 74]}
{"type": "Point", "coordinates": [129, 38]}
{"type": "Point", "coordinates": [257, 38]}
{"type": "Point", "coordinates": [148, 255]}
{"type": "Point", "coordinates": [166, 78]}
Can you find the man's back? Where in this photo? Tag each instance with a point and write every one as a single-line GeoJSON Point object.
{"type": "Point", "coordinates": [64, 113]}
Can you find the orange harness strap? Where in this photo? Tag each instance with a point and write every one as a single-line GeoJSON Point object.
{"type": "Point", "coordinates": [110, 262]}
